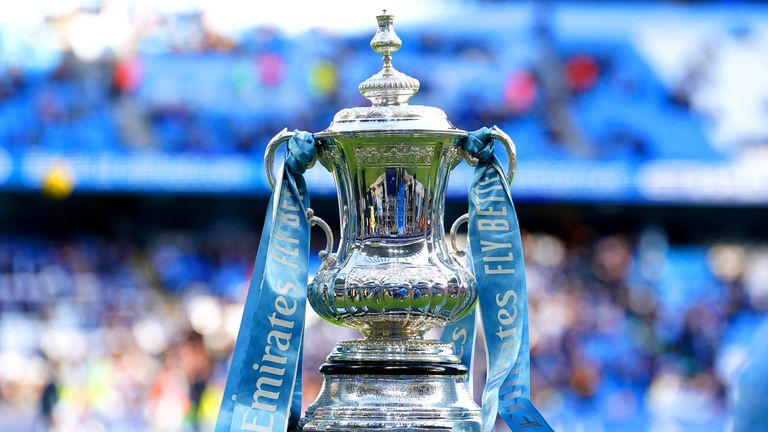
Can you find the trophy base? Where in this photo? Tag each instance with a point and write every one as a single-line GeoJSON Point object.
{"type": "Point", "coordinates": [375, 394]}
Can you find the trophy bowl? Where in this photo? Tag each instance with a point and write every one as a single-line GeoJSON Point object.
{"type": "Point", "coordinates": [393, 276]}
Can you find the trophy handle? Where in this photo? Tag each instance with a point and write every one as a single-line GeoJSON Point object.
{"type": "Point", "coordinates": [454, 228]}
{"type": "Point", "coordinates": [269, 155]}
{"type": "Point", "coordinates": [509, 145]}
{"type": "Point", "coordinates": [281, 137]}
{"type": "Point", "coordinates": [327, 253]}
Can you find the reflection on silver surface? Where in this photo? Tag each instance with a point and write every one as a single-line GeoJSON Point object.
{"type": "Point", "coordinates": [404, 403]}
{"type": "Point", "coordinates": [395, 203]}
{"type": "Point", "coordinates": [393, 276]}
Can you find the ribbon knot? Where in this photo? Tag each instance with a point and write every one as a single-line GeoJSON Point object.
{"type": "Point", "coordinates": [479, 144]}
{"type": "Point", "coordinates": [302, 150]}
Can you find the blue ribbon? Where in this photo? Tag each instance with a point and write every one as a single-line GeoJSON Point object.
{"type": "Point", "coordinates": [263, 390]}
{"type": "Point", "coordinates": [496, 258]}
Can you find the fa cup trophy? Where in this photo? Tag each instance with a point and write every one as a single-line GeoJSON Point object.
{"type": "Point", "coordinates": [393, 276]}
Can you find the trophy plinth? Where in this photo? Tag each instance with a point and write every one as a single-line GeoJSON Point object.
{"type": "Point", "coordinates": [432, 401]}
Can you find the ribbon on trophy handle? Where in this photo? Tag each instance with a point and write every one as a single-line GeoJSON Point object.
{"type": "Point", "coordinates": [496, 259]}
{"type": "Point", "coordinates": [263, 389]}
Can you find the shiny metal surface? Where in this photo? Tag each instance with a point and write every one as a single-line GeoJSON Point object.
{"type": "Point", "coordinates": [397, 351]}
{"type": "Point", "coordinates": [313, 220]}
{"type": "Point", "coordinates": [394, 276]}
{"type": "Point", "coordinates": [391, 119]}
{"type": "Point", "coordinates": [393, 403]}
{"type": "Point", "coordinates": [389, 91]}
{"type": "Point", "coordinates": [269, 154]}
{"type": "Point", "coordinates": [454, 229]}
{"type": "Point", "coordinates": [509, 145]}
{"type": "Point", "coordinates": [389, 86]}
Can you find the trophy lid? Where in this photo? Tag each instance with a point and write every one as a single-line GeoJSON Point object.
{"type": "Point", "coordinates": [389, 91]}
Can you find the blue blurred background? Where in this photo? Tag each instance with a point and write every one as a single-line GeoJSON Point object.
{"type": "Point", "coordinates": [132, 192]}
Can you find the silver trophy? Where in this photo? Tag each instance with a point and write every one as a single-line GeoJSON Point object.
{"type": "Point", "coordinates": [393, 276]}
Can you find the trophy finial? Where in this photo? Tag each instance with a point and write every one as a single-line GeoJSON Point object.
{"type": "Point", "coordinates": [388, 86]}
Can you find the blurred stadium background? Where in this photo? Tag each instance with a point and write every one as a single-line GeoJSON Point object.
{"type": "Point", "coordinates": [132, 192]}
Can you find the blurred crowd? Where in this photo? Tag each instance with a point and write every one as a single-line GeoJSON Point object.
{"type": "Point", "coordinates": [627, 330]}
{"type": "Point", "coordinates": [641, 333]}
{"type": "Point", "coordinates": [104, 79]}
